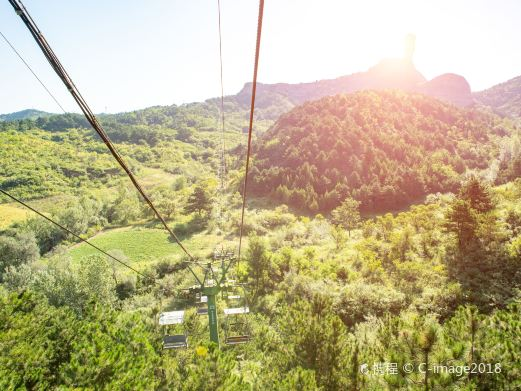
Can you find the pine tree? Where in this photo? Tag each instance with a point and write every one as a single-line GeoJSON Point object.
{"type": "Point", "coordinates": [199, 201]}
{"type": "Point", "coordinates": [477, 194]}
{"type": "Point", "coordinates": [461, 220]}
{"type": "Point", "coordinates": [347, 215]}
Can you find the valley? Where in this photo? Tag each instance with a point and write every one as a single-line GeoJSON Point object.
{"type": "Point", "coordinates": [383, 225]}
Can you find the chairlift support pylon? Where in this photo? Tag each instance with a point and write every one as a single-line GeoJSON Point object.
{"type": "Point", "coordinates": [215, 283]}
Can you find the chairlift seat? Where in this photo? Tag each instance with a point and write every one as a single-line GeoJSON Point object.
{"type": "Point", "coordinates": [233, 319]}
{"type": "Point", "coordinates": [172, 317]}
{"type": "Point", "coordinates": [175, 341]}
{"type": "Point", "coordinates": [236, 311]}
{"type": "Point", "coordinates": [237, 339]}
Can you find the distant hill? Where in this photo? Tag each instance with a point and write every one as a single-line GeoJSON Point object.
{"type": "Point", "coordinates": [182, 119]}
{"type": "Point", "coordinates": [448, 87]}
{"type": "Point", "coordinates": [504, 98]}
{"type": "Point", "coordinates": [272, 101]}
{"type": "Point", "coordinates": [388, 74]}
{"type": "Point", "coordinates": [386, 149]}
{"type": "Point", "coordinates": [31, 114]}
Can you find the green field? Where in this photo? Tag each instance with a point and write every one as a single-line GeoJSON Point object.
{"type": "Point", "coordinates": [12, 212]}
{"type": "Point", "coordinates": [151, 177]}
{"type": "Point", "coordinates": [142, 245]}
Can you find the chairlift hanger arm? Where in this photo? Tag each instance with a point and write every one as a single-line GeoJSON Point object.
{"type": "Point", "coordinates": [193, 273]}
{"type": "Point", "coordinates": [225, 271]}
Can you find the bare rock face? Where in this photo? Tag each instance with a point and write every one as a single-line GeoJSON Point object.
{"type": "Point", "coordinates": [391, 73]}
{"type": "Point", "coordinates": [448, 87]}
{"type": "Point", "coordinates": [394, 73]}
{"type": "Point", "coordinates": [387, 74]}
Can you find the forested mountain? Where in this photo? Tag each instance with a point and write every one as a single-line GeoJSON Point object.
{"type": "Point", "coordinates": [276, 99]}
{"type": "Point", "coordinates": [504, 98]}
{"type": "Point", "coordinates": [389, 73]}
{"type": "Point", "coordinates": [384, 149]}
{"type": "Point", "coordinates": [58, 153]}
{"type": "Point", "coordinates": [272, 101]}
{"type": "Point", "coordinates": [24, 114]}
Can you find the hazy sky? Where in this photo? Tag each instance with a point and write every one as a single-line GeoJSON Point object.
{"type": "Point", "coordinates": [130, 54]}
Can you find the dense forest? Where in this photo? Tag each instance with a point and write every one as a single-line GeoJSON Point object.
{"type": "Point", "coordinates": [438, 283]}
{"type": "Point", "coordinates": [384, 149]}
{"type": "Point", "coordinates": [339, 299]}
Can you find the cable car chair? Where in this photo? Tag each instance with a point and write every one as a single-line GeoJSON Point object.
{"type": "Point", "coordinates": [202, 304]}
{"type": "Point", "coordinates": [230, 293]}
{"type": "Point", "coordinates": [174, 341]}
{"type": "Point", "coordinates": [235, 328]}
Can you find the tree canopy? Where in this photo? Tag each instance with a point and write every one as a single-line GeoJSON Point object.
{"type": "Point", "coordinates": [384, 149]}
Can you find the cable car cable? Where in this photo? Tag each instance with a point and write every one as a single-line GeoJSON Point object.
{"type": "Point", "coordinates": [223, 162]}
{"type": "Point", "coordinates": [222, 165]}
{"type": "Point", "coordinates": [89, 115]}
{"type": "Point", "coordinates": [250, 129]}
{"type": "Point", "coordinates": [34, 73]}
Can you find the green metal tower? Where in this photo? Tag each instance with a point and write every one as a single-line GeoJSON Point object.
{"type": "Point", "coordinates": [213, 282]}
{"type": "Point", "coordinates": [211, 292]}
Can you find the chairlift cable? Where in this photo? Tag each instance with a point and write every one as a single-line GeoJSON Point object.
{"type": "Point", "coordinates": [250, 129]}
{"type": "Point", "coordinates": [223, 152]}
{"type": "Point", "coordinates": [222, 164]}
{"type": "Point", "coordinates": [32, 71]}
{"type": "Point", "coordinates": [73, 234]}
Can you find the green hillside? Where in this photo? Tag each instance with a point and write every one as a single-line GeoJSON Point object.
{"type": "Point", "coordinates": [504, 98]}
{"type": "Point", "coordinates": [29, 114]}
{"type": "Point", "coordinates": [385, 149]}
{"type": "Point", "coordinates": [37, 163]}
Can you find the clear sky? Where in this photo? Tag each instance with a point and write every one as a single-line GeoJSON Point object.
{"type": "Point", "coordinates": [131, 54]}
